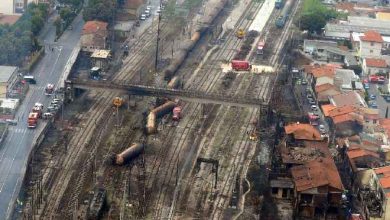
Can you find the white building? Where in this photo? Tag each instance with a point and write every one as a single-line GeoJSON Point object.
{"type": "Point", "coordinates": [373, 66]}
{"type": "Point", "coordinates": [11, 7]}
{"type": "Point", "coordinates": [370, 45]}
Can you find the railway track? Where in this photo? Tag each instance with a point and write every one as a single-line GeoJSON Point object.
{"type": "Point", "coordinates": [80, 139]}
{"type": "Point", "coordinates": [77, 145]}
{"type": "Point", "coordinates": [231, 42]}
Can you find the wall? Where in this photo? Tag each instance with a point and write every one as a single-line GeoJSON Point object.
{"type": "Point", "coordinates": [368, 50]}
{"type": "Point", "coordinates": [6, 6]}
{"type": "Point", "coordinates": [3, 90]}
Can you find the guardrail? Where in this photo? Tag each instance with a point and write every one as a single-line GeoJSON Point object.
{"type": "Point", "coordinates": [69, 66]}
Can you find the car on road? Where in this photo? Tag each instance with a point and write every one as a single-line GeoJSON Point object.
{"type": "Point", "coordinates": [366, 86]}
{"type": "Point", "coordinates": [372, 104]}
{"type": "Point", "coordinates": [142, 17]}
{"type": "Point", "coordinates": [314, 107]}
{"type": "Point", "coordinates": [321, 128]}
{"type": "Point", "coordinates": [372, 97]}
{"type": "Point", "coordinates": [147, 13]}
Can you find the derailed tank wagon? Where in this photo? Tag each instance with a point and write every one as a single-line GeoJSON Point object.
{"type": "Point", "coordinates": [200, 29]}
{"type": "Point", "coordinates": [129, 154]}
{"type": "Point", "coordinates": [151, 120]}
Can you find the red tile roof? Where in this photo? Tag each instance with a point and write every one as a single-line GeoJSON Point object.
{"type": "Point", "coordinates": [341, 110]}
{"type": "Point", "coordinates": [372, 62]}
{"type": "Point", "coordinates": [324, 87]}
{"type": "Point", "coordinates": [372, 36]}
{"type": "Point", "coordinates": [316, 173]}
{"type": "Point", "coordinates": [326, 109]}
{"type": "Point", "coordinates": [382, 170]}
{"type": "Point", "coordinates": [357, 152]}
{"type": "Point", "coordinates": [328, 71]}
{"type": "Point", "coordinates": [91, 27]}
{"type": "Point", "coordinates": [303, 131]}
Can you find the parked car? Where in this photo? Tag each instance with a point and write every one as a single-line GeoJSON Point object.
{"type": "Point", "coordinates": [372, 97]}
{"type": "Point", "coordinates": [47, 115]}
{"type": "Point", "coordinates": [373, 105]}
{"type": "Point", "coordinates": [147, 13]}
{"type": "Point", "coordinates": [142, 17]}
{"type": "Point", "coordinates": [321, 128]}
{"type": "Point", "coordinates": [314, 107]}
{"type": "Point", "coordinates": [366, 85]}
{"type": "Point", "coordinates": [309, 96]}
{"type": "Point", "coordinates": [312, 102]}
{"type": "Point", "coordinates": [304, 82]}
{"type": "Point", "coordinates": [308, 89]}
{"type": "Point", "coordinates": [149, 7]}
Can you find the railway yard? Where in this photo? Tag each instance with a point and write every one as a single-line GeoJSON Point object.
{"type": "Point", "coordinates": [190, 166]}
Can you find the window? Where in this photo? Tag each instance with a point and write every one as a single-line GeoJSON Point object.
{"type": "Point", "coordinates": [306, 198]}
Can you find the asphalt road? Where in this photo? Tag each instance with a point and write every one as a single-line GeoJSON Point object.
{"type": "Point", "coordinates": [380, 101]}
{"type": "Point", "coordinates": [18, 144]}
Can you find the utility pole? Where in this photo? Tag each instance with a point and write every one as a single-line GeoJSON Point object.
{"type": "Point", "coordinates": [158, 38]}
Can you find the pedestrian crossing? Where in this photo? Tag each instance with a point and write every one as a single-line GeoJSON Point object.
{"type": "Point", "coordinates": [21, 130]}
{"type": "Point", "coordinates": [38, 88]}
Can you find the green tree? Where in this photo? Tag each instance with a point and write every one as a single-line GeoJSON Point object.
{"type": "Point", "coordinates": [315, 15]}
{"type": "Point", "coordinates": [102, 10]}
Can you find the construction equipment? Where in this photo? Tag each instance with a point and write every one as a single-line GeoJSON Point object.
{"type": "Point", "coordinates": [118, 102]}
{"type": "Point", "coordinates": [240, 33]}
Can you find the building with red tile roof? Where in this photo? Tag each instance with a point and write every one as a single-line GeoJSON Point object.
{"type": "Point", "coordinates": [373, 62]}
{"type": "Point", "coordinates": [317, 173]}
{"type": "Point", "coordinates": [363, 159]}
{"type": "Point", "coordinates": [372, 66]}
{"type": "Point", "coordinates": [303, 131]}
{"type": "Point", "coordinates": [370, 45]}
{"type": "Point", "coordinates": [372, 36]}
{"type": "Point", "coordinates": [94, 36]}
{"type": "Point", "coordinates": [316, 182]}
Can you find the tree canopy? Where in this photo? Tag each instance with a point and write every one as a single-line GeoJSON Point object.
{"type": "Point", "coordinates": [19, 40]}
{"type": "Point", "coordinates": [102, 10]}
{"type": "Point", "coordinates": [314, 16]}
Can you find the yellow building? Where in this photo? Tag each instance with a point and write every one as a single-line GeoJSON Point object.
{"type": "Point", "coordinates": [384, 16]}
{"type": "Point", "coordinates": [8, 77]}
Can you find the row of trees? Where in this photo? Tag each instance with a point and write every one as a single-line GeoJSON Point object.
{"type": "Point", "coordinates": [18, 41]}
{"type": "Point", "coordinates": [314, 16]}
{"type": "Point", "coordinates": [102, 10]}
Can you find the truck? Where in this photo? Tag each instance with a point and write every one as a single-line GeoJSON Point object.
{"type": "Point", "coordinates": [49, 90]}
{"type": "Point", "coordinates": [377, 79]}
{"type": "Point", "coordinates": [241, 65]}
{"type": "Point", "coordinates": [32, 120]}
